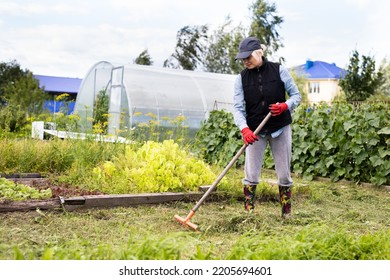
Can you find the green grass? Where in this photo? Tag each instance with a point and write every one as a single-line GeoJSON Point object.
{"type": "Point", "coordinates": [331, 221]}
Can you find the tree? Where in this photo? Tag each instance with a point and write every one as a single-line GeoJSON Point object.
{"type": "Point", "coordinates": [361, 80]}
{"type": "Point", "coordinates": [26, 93]}
{"type": "Point", "coordinates": [190, 46]}
{"type": "Point", "coordinates": [264, 24]}
{"type": "Point", "coordinates": [384, 68]}
{"type": "Point", "coordinates": [301, 81]}
{"type": "Point", "coordinates": [143, 58]}
{"type": "Point", "coordinates": [9, 73]}
{"type": "Point", "coordinates": [222, 49]}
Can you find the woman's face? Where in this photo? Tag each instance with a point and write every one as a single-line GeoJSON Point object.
{"type": "Point", "coordinates": [253, 61]}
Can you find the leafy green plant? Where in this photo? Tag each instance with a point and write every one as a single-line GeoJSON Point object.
{"type": "Point", "coordinates": [339, 141]}
{"type": "Point", "coordinates": [11, 191]}
{"type": "Point", "coordinates": [218, 139]}
{"type": "Point", "coordinates": [154, 167]}
{"type": "Point", "coordinates": [12, 120]}
{"type": "Point", "coordinates": [342, 141]}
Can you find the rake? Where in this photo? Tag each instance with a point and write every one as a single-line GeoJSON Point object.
{"type": "Point", "coordinates": [186, 221]}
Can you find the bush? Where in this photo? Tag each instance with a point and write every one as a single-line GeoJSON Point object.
{"type": "Point", "coordinates": [155, 167]}
{"type": "Point", "coordinates": [340, 141]}
{"type": "Point", "coordinates": [343, 142]}
{"type": "Point", "coordinates": [218, 139]}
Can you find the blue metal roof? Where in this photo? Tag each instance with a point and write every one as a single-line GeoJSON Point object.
{"type": "Point", "coordinates": [321, 70]}
{"type": "Point", "coordinates": [59, 84]}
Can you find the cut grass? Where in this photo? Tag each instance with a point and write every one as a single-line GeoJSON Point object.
{"type": "Point", "coordinates": [331, 221]}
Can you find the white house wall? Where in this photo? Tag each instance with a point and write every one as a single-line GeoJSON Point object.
{"type": "Point", "coordinates": [328, 90]}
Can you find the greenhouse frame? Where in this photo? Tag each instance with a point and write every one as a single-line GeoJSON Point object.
{"type": "Point", "coordinates": [138, 93]}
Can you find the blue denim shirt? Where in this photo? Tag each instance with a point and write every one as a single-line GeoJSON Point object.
{"type": "Point", "coordinates": [239, 102]}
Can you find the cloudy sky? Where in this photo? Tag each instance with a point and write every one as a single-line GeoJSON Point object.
{"type": "Point", "coordinates": [66, 38]}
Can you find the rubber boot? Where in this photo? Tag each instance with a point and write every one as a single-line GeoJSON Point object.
{"type": "Point", "coordinates": [249, 193]}
{"type": "Point", "coordinates": [285, 201]}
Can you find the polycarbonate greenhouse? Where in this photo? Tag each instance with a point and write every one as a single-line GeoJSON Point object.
{"type": "Point", "coordinates": [137, 92]}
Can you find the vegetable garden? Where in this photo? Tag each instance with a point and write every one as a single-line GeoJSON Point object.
{"type": "Point", "coordinates": [333, 219]}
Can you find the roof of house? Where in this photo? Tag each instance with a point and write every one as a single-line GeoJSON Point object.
{"type": "Point", "coordinates": [59, 84]}
{"type": "Point", "coordinates": [321, 70]}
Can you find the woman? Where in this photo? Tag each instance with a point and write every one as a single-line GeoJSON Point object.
{"type": "Point", "coordinates": [260, 88]}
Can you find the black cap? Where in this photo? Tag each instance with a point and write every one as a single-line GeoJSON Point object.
{"type": "Point", "coordinates": [247, 46]}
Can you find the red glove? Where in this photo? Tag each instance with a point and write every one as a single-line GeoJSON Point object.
{"type": "Point", "coordinates": [278, 108]}
{"type": "Point", "coordinates": [249, 136]}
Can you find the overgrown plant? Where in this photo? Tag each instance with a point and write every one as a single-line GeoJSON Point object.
{"type": "Point", "coordinates": [218, 138]}
{"type": "Point", "coordinates": [340, 141]}
{"type": "Point", "coordinates": [343, 141]}
{"type": "Point", "coordinates": [155, 167]}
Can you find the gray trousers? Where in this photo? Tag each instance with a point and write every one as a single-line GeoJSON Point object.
{"type": "Point", "coordinates": [281, 153]}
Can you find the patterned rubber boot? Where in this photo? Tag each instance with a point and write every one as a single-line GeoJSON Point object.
{"type": "Point", "coordinates": [249, 193]}
{"type": "Point", "coordinates": [285, 201]}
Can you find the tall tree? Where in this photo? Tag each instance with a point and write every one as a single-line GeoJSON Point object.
{"type": "Point", "coordinates": [265, 22]}
{"type": "Point", "coordinates": [361, 80]}
{"type": "Point", "coordinates": [384, 68]}
{"type": "Point", "coordinates": [223, 43]}
{"type": "Point", "coordinates": [26, 93]}
{"type": "Point", "coordinates": [190, 46]}
{"type": "Point", "coordinates": [10, 72]}
{"type": "Point", "coordinates": [143, 58]}
{"type": "Point", "coordinates": [222, 49]}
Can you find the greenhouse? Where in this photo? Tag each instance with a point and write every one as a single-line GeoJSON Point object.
{"type": "Point", "coordinates": [138, 93]}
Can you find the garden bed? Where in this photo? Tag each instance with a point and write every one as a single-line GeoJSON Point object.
{"type": "Point", "coordinates": [68, 197]}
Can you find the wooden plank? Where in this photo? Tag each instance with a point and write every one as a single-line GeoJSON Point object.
{"type": "Point", "coordinates": [28, 181]}
{"type": "Point", "coordinates": [108, 201]}
{"type": "Point", "coordinates": [21, 175]}
{"type": "Point", "coordinates": [98, 201]}
{"type": "Point", "coordinates": [28, 205]}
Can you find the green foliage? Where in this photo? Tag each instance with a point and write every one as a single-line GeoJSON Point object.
{"type": "Point", "coordinates": [218, 139]}
{"type": "Point", "coordinates": [222, 49]}
{"type": "Point", "coordinates": [264, 23]}
{"type": "Point", "coordinates": [144, 58]}
{"type": "Point", "coordinates": [9, 73]}
{"type": "Point", "coordinates": [12, 120]}
{"type": "Point", "coordinates": [330, 221]}
{"type": "Point", "coordinates": [154, 167]}
{"type": "Point", "coordinates": [100, 112]}
{"type": "Point", "coordinates": [191, 42]}
{"type": "Point", "coordinates": [361, 80]}
{"type": "Point", "coordinates": [342, 142]}
{"type": "Point", "coordinates": [313, 242]}
{"type": "Point", "coordinates": [20, 98]}
{"type": "Point", "coordinates": [154, 128]}
{"type": "Point", "coordinates": [301, 81]}
{"type": "Point", "coordinates": [68, 157]}
{"type": "Point", "coordinates": [25, 92]}
{"type": "Point", "coordinates": [339, 141]}
{"type": "Point", "coordinates": [384, 88]}
{"type": "Point", "coordinates": [11, 191]}
{"type": "Point", "coordinates": [216, 53]}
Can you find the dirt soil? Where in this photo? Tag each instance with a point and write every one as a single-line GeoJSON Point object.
{"type": "Point", "coordinates": [57, 189]}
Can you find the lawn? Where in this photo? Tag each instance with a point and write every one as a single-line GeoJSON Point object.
{"type": "Point", "coordinates": [331, 221]}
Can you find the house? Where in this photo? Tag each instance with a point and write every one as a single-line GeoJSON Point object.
{"type": "Point", "coordinates": [56, 86]}
{"type": "Point", "coordinates": [322, 79]}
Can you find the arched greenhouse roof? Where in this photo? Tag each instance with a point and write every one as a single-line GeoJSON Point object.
{"type": "Point", "coordinates": [138, 91]}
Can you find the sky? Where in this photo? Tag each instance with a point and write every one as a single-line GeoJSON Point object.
{"type": "Point", "coordinates": [66, 38]}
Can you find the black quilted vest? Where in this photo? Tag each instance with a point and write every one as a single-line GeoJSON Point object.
{"type": "Point", "coordinates": [262, 87]}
